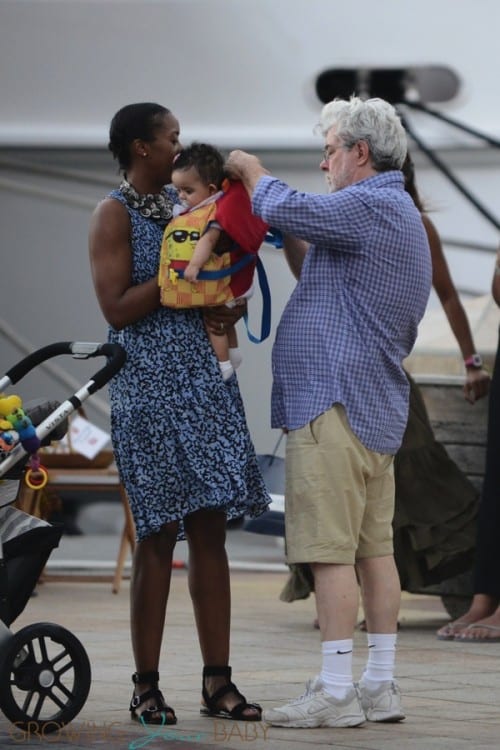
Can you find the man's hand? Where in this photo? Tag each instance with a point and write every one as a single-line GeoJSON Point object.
{"type": "Point", "coordinates": [219, 319]}
{"type": "Point", "coordinates": [245, 167]}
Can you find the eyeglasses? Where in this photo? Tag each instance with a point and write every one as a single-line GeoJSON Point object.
{"type": "Point", "coordinates": [330, 151]}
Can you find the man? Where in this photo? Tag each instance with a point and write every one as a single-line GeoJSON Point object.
{"type": "Point", "coordinates": [362, 261]}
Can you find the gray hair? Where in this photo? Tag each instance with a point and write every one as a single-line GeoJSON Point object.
{"type": "Point", "coordinates": [372, 120]}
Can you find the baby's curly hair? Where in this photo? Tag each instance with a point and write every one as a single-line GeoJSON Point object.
{"type": "Point", "coordinates": [206, 159]}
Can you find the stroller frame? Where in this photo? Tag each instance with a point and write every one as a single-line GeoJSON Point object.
{"type": "Point", "coordinates": [45, 664]}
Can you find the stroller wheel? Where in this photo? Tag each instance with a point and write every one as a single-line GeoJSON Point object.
{"type": "Point", "coordinates": [44, 677]}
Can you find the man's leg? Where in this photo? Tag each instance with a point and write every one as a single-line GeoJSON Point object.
{"type": "Point", "coordinates": [381, 594]}
{"type": "Point", "coordinates": [324, 511]}
{"type": "Point", "coordinates": [337, 601]}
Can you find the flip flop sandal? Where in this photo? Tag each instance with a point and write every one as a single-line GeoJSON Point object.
{"type": "Point", "coordinates": [480, 639]}
{"type": "Point", "coordinates": [451, 635]}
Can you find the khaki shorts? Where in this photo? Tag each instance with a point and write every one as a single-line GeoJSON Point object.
{"type": "Point", "coordinates": [339, 496]}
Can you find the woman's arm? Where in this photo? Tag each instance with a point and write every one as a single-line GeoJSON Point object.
{"type": "Point", "coordinates": [495, 284]}
{"type": "Point", "coordinates": [477, 380]}
{"type": "Point", "coordinates": [111, 267]}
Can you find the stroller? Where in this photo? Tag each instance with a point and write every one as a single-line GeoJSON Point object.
{"type": "Point", "coordinates": [45, 672]}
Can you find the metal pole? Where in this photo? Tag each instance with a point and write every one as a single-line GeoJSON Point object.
{"type": "Point", "coordinates": [450, 176]}
{"type": "Point", "coordinates": [466, 128]}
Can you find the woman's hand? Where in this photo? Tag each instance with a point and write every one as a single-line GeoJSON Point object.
{"type": "Point", "coordinates": [477, 384]}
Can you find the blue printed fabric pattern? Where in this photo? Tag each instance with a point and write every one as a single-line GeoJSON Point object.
{"type": "Point", "coordinates": [179, 431]}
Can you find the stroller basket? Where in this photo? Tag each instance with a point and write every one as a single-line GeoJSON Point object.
{"type": "Point", "coordinates": [27, 544]}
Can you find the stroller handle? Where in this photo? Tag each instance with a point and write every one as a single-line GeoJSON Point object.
{"type": "Point", "coordinates": [79, 350]}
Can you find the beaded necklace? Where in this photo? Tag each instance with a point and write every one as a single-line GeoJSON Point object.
{"type": "Point", "coordinates": [157, 207]}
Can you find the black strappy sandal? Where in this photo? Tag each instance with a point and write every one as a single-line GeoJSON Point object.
{"type": "Point", "coordinates": [212, 702]}
{"type": "Point", "coordinates": [147, 716]}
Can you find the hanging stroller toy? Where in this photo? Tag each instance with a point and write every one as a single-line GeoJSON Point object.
{"type": "Point", "coordinates": [45, 672]}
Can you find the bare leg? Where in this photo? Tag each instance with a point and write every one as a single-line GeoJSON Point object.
{"type": "Point", "coordinates": [149, 590]}
{"type": "Point", "coordinates": [337, 600]}
{"type": "Point", "coordinates": [232, 337]}
{"type": "Point", "coordinates": [208, 575]}
{"type": "Point", "coordinates": [381, 593]}
{"type": "Point", "coordinates": [209, 587]}
{"type": "Point", "coordinates": [220, 346]}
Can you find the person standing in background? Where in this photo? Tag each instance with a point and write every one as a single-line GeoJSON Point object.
{"type": "Point", "coordinates": [481, 623]}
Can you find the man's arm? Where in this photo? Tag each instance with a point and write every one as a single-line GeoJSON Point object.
{"type": "Point", "coordinates": [249, 170]}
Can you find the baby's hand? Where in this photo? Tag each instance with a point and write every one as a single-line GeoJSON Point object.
{"type": "Point", "coordinates": [191, 272]}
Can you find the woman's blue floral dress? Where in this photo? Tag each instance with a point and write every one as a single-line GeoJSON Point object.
{"type": "Point", "coordinates": [179, 431]}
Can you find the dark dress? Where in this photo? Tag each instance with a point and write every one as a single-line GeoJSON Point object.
{"type": "Point", "coordinates": [436, 506]}
{"type": "Point", "coordinates": [179, 431]}
{"type": "Point", "coordinates": [487, 568]}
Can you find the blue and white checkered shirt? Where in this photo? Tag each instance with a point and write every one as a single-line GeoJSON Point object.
{"type": "Point", "coordinates": [353, 316]}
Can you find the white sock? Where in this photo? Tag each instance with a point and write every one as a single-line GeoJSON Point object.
{"type": "Point", "coordinates": [226, 369]}
{"type": "Point", "coordinates": [235, 356]}
{"type": "Point", "coordinates": [336, 673]}
{"type": "Point", "coordinates": [381, 658]}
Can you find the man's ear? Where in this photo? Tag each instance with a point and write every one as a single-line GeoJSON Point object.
{"type": "Point", "coordinates": [363, 152]}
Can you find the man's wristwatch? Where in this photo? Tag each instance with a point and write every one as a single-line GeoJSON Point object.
{"type": "Point", "coordinates": [474, 362]}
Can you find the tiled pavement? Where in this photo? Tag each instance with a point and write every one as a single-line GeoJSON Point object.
{"type": "Point", "coordinates": [451, 691]}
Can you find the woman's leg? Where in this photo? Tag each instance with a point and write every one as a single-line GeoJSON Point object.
{"type": "Point", "coordinates": [149, 590]}
{"type": "Point", "coordinates": [209, 586]}
{"type": "Point", "coordinates": [208, 576]}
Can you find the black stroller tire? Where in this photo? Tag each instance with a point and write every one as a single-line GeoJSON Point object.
{"type": "Point", "coordinates": [45, 677]}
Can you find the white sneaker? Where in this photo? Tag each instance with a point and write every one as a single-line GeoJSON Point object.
{"type": "Point", "coordinates": [317, 708]}
{"type": "Point", "coordinates": [382, 703]}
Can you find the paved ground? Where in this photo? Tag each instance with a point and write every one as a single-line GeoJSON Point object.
{"type": "Point", "coordinates": [451, 691]}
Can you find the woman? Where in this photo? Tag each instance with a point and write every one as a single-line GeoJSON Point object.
{"type": "Point", "coordinates": [436, 504]}
{"type": "Point", "coordinates": [481, 623]}
{"type": "Point", "coordinates": [173, 419]}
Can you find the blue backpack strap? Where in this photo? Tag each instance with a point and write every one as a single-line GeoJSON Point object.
{"type": "Point", "coordinates": [274, 237]}
{"type": "Point", "coordinates": [265, 328]}
{"type": "Point", "coordinates": [241, 263]}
